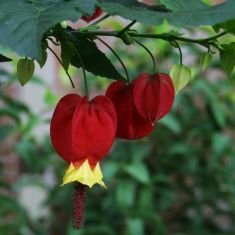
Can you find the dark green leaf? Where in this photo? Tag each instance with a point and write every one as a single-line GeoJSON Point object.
{"type": "Point", "coordinates": [186, 13]}
{"type": "Point", "coordinates": [228, 26]}
{"type": "Point", "coordinates": [23, 24]}
{"type": "Point", "coordinates": [94, 60]}
{"type": "Point", "coordinates": [67, 51]}
{"type": "Point", "coordinates": [4, 58]}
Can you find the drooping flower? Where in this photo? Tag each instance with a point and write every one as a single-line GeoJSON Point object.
{"type": "Point", "coordinates": [153, 95]}
{"type": "Point", "coordinates": [98, 12]}
{"type": "Point", "coordinates": [130, 125]}
{"type": "Point", "coordinates": [82, 133]}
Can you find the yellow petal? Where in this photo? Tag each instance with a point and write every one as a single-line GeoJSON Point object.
{"type": "Point", "coordinates": [84, 175]}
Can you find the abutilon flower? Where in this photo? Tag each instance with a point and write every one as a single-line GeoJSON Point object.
{"type": "Point", "coordinates": [82, 133]}
{"type": "Point", "coordinates": [130, 125]}
{"type": "Point", "coordinates": [98, 12]}
{"type": "Point", "coordinates": [153, 95]}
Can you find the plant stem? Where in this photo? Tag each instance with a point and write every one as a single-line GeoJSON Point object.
{"type": "Point", "coordinates": [202, 41]}
{"type": "Point", "coordinates": [117, 56]}
{"type": "Point", "coordinates": [149, 52]}
{"type": "Point", "coordinates": [60, 61]}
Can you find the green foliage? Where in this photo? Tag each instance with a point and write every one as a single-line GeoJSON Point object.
{"type": "Point", "coordinates": [179, 181]}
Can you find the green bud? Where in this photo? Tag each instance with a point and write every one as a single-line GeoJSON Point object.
{"type": "Point", "coordinates": [205, 60]}
{"type": "Point", "coordinates": [180, 75]}
{"type": "Point", "coordinates": [25, 70]}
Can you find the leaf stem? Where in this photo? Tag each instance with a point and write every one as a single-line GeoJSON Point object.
{"type": "Point", "coordinates": [180, 51]}
{"type": "Point", "coordinates": [120, 33]}
{"type": "Point", "coordinates": [117, 56]}
{"type": "Point", "coordinates": [84, 73]}
{"type": "Point", "coordinates": [149, 52]}
{"type": "Point", "coordinates": [99, 20]}
{"type": "Point", "coordinates": [60, 61]}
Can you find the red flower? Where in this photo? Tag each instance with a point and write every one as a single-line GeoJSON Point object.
{"type": "Point", "coordinates": [82, 133]}
{"type": "Point", "coordinates": [153, 95]}
{"type": "Point", "coordinates": [130, 124]}
{"type": "Point", "coordinates": [98, 12]}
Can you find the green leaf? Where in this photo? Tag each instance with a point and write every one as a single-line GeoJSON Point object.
{"type": "Point", "coordinates": [94, 60]}
{"type": "Point", "coordinates": [205, 60]}
{"type": "Point", "coordinates": [218, 113]}
{"type": "Point", "coordinates": [185, 13]}
{"type": "Point", "coordinates": [138, 171]}
{"type": "Point", "coordinates": [25, 70]}
{"type": "Point", "coordinates": [4, 58]}
{"type": "Point", "coordinates": [227, 55]}
{"type": "Point", "coordinates": [180, 75]}
{"type": "Point", "coordinates": [23, 24]}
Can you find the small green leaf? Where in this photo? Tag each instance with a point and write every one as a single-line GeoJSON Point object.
{"type": "Point", "coordinates": [227, 55]}
{"type": "Point", "coordinates": [180, 75]}
{"type": "Point", "coordinates": [4, 58]}
{"type": "Point", "coordinates": [205, 60]}
{"type": "Point", "coordinates": [25, 70]}
{"type": "Point", "coordinates": [138, 171]}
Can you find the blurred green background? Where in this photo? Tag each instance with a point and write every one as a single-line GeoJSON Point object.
{"type": "Point", "coordinates": [178, 181]}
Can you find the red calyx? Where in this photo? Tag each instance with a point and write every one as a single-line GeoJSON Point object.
{"type": "Point", "coordinates": [98, 12]}
{"type": "Point", "coordinates": [82, 129]}
{"type": "Point", "coordinates": [153, 95]}
{"type": "Point", "coordinates": [130, 125]}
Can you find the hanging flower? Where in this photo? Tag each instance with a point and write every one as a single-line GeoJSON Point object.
{"type": "Point", "coordinates": [82, 133]}
{"type": "Point", "coordinates": [153, 95]}
{"type": "Point", "coordinates": [98, 12]}
{"type": "Point", "coordinates": [130, 124]}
